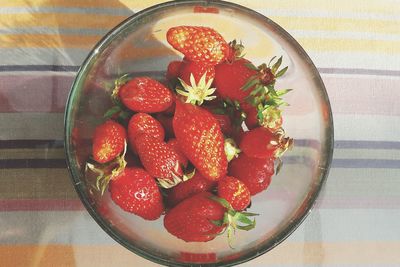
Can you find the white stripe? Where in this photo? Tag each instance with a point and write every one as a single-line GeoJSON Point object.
{"type": "Point", "coordinates": [342, 35]}
{"type": "Point", "coordinates": [342, 14]}
{"type": "Point", "coordinates": [77, 227]}
{"type": "Point", "coordinates": [366, 127]}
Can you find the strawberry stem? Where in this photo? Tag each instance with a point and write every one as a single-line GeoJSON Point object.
{"type": "Point", "coordinates": [233, 220]}
{"type": "Point", "coordinates": [104, 174]}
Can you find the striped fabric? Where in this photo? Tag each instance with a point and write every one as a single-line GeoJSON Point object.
{"type": "Point", "coordinates": [354, 44]}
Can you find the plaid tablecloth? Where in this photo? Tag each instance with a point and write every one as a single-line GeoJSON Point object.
{"type": "Point", "coordinates": [354, 44]}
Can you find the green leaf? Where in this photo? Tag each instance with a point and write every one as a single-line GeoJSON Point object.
{"type": "Point", "coordinates": [253, 80]}
{"type": "Point", "coordinates": [282, 92]}
{"type": "Point", "coordinates": [251, 66]}
{"type": "Point", "coordinates": [242, 218]}
{"type": "Point", "coordinates": [221, 201]}
{"type": "Point", "coordinates": [219, 111]}
{"type": "Point", "coordinates": [259, 89]}
{"type": "Point", "coordinates": [247, 227]}
{"type": "Point", "coordinates": [281, 72]}
{"type": "Point", "coordinates": [270, 61]}
{"type": "Point", "coordinates": [217, 222]}
{"type": "Point", "coordinates": [276, 65]}
{"type": "Point", "coordinates": [112, 111]}
{"type": "Point", "coordinates": [249, 213]}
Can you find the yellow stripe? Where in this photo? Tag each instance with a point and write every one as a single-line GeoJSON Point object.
{"type": "Point", "coordinates": [359, 6]}
{"type": "Point", "coordinates": [47, 41]}
{"type": "Point", "coordinates": [36, 184]}
{"type": "Point", "coordinates": [60, 20]}
{"type": "Point", "coordinates": [340, 253]}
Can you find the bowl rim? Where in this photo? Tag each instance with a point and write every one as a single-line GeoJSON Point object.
{"type": "Point", "coordinates": [289, 229]}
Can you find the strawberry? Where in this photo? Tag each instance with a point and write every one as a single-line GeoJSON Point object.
{"type": "Point", "coordinates": [199, 44]}
{"type": "Point", "coordinates": [230, 77]}
{"type": "Point", "coordinates": [159, 159]}
{"type": "Point", "coordinates": [251, 115]}
{"type": "Point", "coordinates": [255, 173]}
{"type": "Point", "coordinates": [189, 188]}
{"type": "Point", "coordinates": [225, 123]}
{"type": "Point", "coordinates": [234, 191]}
{"type": "Point", "coordinates": [135, 191]}
{"type": "Point", "coordinates": [200, 218]}
{"type": "Point", "coordinates": [261, 142]}
{"type": "Point", "coordinates": [144, 123]}
{"type": "Point", "coordinates": [108, 141]}
{"type": "Point", "coordinates": [201, 140]}
{"type": "Point", "coordinates": [197, 69]}
{"type": "Point", "coordinates": [191, 219]}
{"type": "Point", "coordinates": [173, 70]}
{"type": "Point", "coordinates": [144, 94]}
{"type": "Point", "coordinates": [166, 122]}
{"type": "Point", "coordinates": [173, 143]}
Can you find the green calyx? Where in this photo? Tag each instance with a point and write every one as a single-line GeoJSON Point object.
{"type": "Point", "coordinates": [231, 149]}
{"type": "Point", "coordinates": [118, 109]}
{"type": "Point", "coordinates": [236, 50]}
{"type": "Point", "coordinates": [176, 179]}
{"type": "Point", "coordinates": [233, 110]}
{"type": "Point", "coordinates": [233, 220]}
{"type": "Point", "coordinates": [108, 171]}
{"type": "Point", "coordinates": [264, 96]}
{"type": "Point", "coordinates": [197, 93]}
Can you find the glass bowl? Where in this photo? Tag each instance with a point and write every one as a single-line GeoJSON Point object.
{"type": "Point", "coordinates": [138, 46]}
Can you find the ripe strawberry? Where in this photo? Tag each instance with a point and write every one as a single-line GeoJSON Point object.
{"type": "Point", "coordinates": [251, 115]}
{"type": "Point", "coordinates": [189, 188]}
{"type": "Point", "coordinates": [197, 69]}
{"type": "Point", "coordinates": [255, 173]}
{"type": "Point", "coordinates": [225, 123]}
{"type": "Point", "coordinates": [166, 122]}
{"type": "Point", "coordinates": [135, 191]}
{"type": "Point", "coordinates": [173, 69]}
{"type": "Point", "coordinates": [201, 140]}
{"type": "Point", "coordinates": [159, 159]}
{"type": "Point", "coordinates": [200, 218]}
{"type": "Point", "coordinates": [173, 143]}
{"type": "Point", "coordinates": [199, 44]}
{"type": "Point", "coordinates": [263, 143]}
{"type": "Point", "coordinates": [143, 94]}
{"type": "Point", "coordinates": [108, 141]}
{"type": "Point", "coordinates": [144, 123]}
{"type": "Point", "coordinates": [191, 219]}
{"type": "Point", "coordinates": [235, 192]}
{"type": "Point", "coordinates": [230, 77]}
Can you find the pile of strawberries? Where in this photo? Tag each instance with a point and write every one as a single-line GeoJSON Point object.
{"type": "Point", "coordinates": [197, 145]}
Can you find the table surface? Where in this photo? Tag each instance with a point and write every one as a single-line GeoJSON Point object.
{"type": "Point", "coordinates": [354, 44]}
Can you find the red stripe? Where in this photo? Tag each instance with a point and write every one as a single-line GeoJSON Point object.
{"type": "Point", "coordinates": [40, 204]}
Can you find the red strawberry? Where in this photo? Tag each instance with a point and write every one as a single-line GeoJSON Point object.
{"type": "Point", "coordinates": [143, 94]}
{"type": "Point", "coordinates": [200, 44]}
{"type": "Point", "coordinates": [251, 115]}
{"type": "Point", "coordinates": [173, 143]}
{"type": "Point", "coordinates": [235, 192]}
{"type": "Point", "coordinates": [230, 77]}
{"type": "Point", "coordinates": [189, 188]}
{"type": "Point", "coordinates": [201, 140]}
{"type": "Point", "coordinates": [225, 123]}
{"type": "Point", "coordinates": [166, 122]}
{"type": "Point", "coordinates": [159, 159]}
{"type": "Point", "coordinates": [253, 172]}
{"type": "Point", "coordinates": [263, 143]}
{"type": "Point", "coordinates": [108, 141]}
{"type": "Point", "coordinates": [173, 69]}
{"type": "Point", "coordinates": [191, 219]}
{"type": "Point", "coordinates": [200, 218]}
{"type": "Point", "coordinates": [197, 69]}
{"type": "Point", "coordinates": [144, 123]}
{"type": "Point", "coordinates": [135, 191]}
